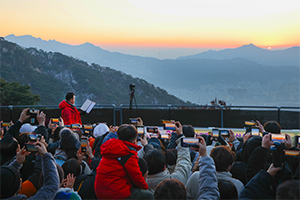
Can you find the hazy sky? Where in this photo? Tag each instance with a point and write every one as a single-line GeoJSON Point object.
{"type": "Point", "coordinates": [159, 27]}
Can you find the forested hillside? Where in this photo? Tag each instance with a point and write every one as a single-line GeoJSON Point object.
{"type": "Point", "coordinates": [51, 75]}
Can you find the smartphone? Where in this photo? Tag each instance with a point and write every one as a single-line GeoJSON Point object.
{"type": "Point", "coordinates": [189, 142]}
{"type": "Point", "coordinates": [255, 131]}
{"type": "Point", "coordinates": [165, 136]}
{"type": "Point", "coordinates": [152, 130]}
{"type": "Point", "coordinates": [215, 133]}
{"type": "Point", "coordinates": [55, 120]}
{"type": "Point", "coordinates": [31, 148]}
{"type": "Point", "coordinates": [164, 121]}
{"type": "Point", "coordinates": [75, 126]}
{"type": "Point", "coordinates": [277, 138]}
{"type": "Point", "coordinates": [224, 132]}
{"type": "Point", "coordinates": [84, 143]}
{"type": "Point", "coordinates": [291, 153]}
{"type": "Point", "coordinates": [169, 127]}
{"type": "Point", "coordinates": [32, 137]}
{"type": "Point", "coordinates": [250, 123]}
{"type": "Point", "coordinates": [33, 111]}
{"type": "Point", "coordinates": [140, 130]}
{"type": "Point", "coordinates": [87, 127]}
{"type": "Point", "coordinates": [5, 124]}
{"type": "Point", "coordinates": [133, 120]}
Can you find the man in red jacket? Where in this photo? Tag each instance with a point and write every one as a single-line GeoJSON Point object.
{"type": "Point", "coordinates": [69, 112]}
{"type": "Point", "coordinates": [118, 169]}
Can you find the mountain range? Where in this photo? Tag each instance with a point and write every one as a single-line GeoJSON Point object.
{"type": "Point", "coordinates": [51, 75]}
{"type": "Point", "coordinates": [247, 75]}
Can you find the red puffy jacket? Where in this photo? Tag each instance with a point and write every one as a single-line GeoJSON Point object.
{"type": "Point", "coordinates": [69, 113]}
{"type": "Point", "coordinates": [113, 179]}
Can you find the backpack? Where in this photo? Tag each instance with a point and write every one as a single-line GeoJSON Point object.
{"type": "Point", "coordinates": [84, 185]}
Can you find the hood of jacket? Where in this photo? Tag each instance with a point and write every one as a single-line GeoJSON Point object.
{"type": "Point", "coordinates": [64, 104]}
{"type": "Point", "coordinates": [115, 148]}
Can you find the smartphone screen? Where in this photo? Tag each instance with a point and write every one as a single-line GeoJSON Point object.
{"type": "Point", "coordinates": [298, 140]}
{"type": "Point", "coordinates": [190, 142]}
{"type": "Point", "coordinates": [84, 144]}
{"type": "Point", "coordinates": [133, 120]}
{"type": "Point", "coordinates": [165, 136]}
{"type": "Point", "coordinates": [215, 133]}
{"type": "Point", "coordinates": [31, 148]}
{"type": "Point", "coordinates": [152, 130]}
{"type": "Point", "coordinates": [277, 137]}
{"type": "Point", "coordinates": [88, 127]}
{"type": "Point", "coordinates": [291, 153]}
{"type": "Point", "coordinates": [140, 129]}
{"type": "Point", "coordinates": [75, 126]}
{"type": "Point", "coordinates": [224, 132]}
{"type": "Point", "coordinates": [32, 137]}
{"type": "Point", "coordinates": [255, 131]}
{"type": "Point", "coordinates": [250, 123]}
{"type": "Point", "coordinates": [55, 121]}
{"type": "Point", "coordinates": [164, 121]}
{"type": "Point", "coordinates": [169, 127]}
{"type": "Point", "coordinates": [5, 124]}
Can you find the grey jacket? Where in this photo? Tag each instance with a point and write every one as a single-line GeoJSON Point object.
{"type": "Point", "coordinates": [203, 182]}
{"type": "Point", "coordinates": [181, 171]}
{"type": "Point", "coordinates": [228, 176]}
{"type": "Point", "coordinates": [208, 183]}
{"type": "Point", "coordinates": [51, 179]}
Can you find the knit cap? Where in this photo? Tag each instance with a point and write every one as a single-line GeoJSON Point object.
{"type": "Point", "coordinates": [10, 181]}
{"type": "Point", "coordinates": [68, 140]}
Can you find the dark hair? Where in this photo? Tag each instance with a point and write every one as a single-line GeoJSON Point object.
{"type": "Point", "coordinates": [56, 135]}
{"type": "Point", "coordinates": [171, 156]}
{"type": "Point", "coordinates": [272, 127]}
{"type": "Point", "coordinates": [288, 190]}
{"type": "Point", "coordinates": [156, 161]}
{"type": "Point", "coordinates": [188, 131]}
{"type": "Point", "coordinates": [223, 157]}
{"type": "Point", "coordinates": [227, 189]}
{"type": "Point", "coordinates": [70, 95]}
{"type": "Point", "coordinates": [127, 132]}
{"type": "Point", "coordinates": [8, 147]}
{"type": "Point", "coordinates": [170, 189]}
{"type": "Point", "coordinates": [60, 173]}
{"type": "Point", "coordinates": [23, 139]}
{"type": "Point", "coordinates": [71, 166]}
{"type": "Point", "coordinates": [71, 153]}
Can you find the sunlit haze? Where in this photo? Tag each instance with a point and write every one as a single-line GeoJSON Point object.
{"type": "Point", "coordinates": [158, 28]}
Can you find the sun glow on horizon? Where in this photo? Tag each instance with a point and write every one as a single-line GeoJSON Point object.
{"type": "Point", "coordinates": [156, 23]}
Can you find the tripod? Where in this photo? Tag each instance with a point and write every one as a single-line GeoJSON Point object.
{"type": "Point", "coordinates": [131, 96]}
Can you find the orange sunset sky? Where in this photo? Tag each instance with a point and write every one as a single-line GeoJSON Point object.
{"type": "Point", "coordinates": [135, 25]}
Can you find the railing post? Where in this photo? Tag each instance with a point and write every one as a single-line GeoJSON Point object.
{"type": "Point", "coordinates": [278, 114]}
{"type": "Point", "coordinates": [10, 112]}
{"type": "Point", "coordinates": [114, 114]}
{"type": "Point", "coordinates": [222, 118]}
{"type": "Point", "coordinates": [169, 105]}
{"type": "Point", "coordinates": [121, 115]}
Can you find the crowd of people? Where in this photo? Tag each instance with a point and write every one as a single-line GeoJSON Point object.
{"type": "Point", "coordinates": [52, 161]}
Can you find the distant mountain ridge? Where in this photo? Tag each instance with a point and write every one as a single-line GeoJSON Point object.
{"type": "Point", "coordinates": [287, 57]}
{"type": "Point", "coordinates": [197, 80]}
{"type": "Point", "coordinates": [51, 75]}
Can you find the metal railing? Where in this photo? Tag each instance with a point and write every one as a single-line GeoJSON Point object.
{"type": "Point", "coordinates": [163, 106]}
{"type": "Point", "coordinates": [219, 107]}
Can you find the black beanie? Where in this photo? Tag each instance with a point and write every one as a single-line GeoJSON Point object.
{"type": "Point", "coordinates": [143, 165]}
{"type": "Point", "coordinates": [10, 181]}
{"type": "Point", "coordinates": [68, 140]}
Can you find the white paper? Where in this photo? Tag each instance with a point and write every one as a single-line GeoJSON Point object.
{"type": "Point", "coordinates": [88, 106]}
